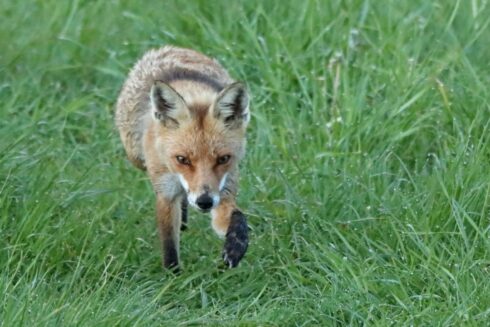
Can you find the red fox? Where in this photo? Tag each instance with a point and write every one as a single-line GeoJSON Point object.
{"type": "Point", "coordinates": [183, 119]}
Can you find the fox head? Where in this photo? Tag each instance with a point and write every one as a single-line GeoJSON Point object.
{"type": "Point", "coordinates": [201, 143]}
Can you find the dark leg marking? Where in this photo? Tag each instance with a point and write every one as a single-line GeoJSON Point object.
{"type": "Point", "coordinates": [236, 242]}
{"type": "Point", "coordinates": [170, 256]}
{"type": "Point", "coordinates": [183, 225]}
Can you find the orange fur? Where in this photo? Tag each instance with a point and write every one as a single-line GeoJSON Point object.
{"type": "Point", "coordinates": [221, 216]}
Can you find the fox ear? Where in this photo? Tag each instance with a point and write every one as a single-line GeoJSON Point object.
{"type": "Point", "coordinates": [167, 105]}
{"type": "Point", "coordinates": [231, 105]}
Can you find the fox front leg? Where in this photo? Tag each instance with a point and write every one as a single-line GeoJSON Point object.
{"type": "Point", "coordinates": [183, 205]}
{"type": "Point", "coordinates": [168, 221]}
{"type": "Point", "coordinates": [230, 222]}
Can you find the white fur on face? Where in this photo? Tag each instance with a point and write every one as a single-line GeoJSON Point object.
{"type": "Point", "coordinates": [215, 200]}
{"type": "Point", "coordinates": [191, 198]}
{"type": "Point", "coordinates": [222, 183]}
{"type": "Point", "coordinates": [183, 182]}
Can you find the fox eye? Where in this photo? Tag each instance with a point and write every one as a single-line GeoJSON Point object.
{"type": "Point", "coordinates": [223, 159]}
{"type": "Point", "coordinates": [183, 160]}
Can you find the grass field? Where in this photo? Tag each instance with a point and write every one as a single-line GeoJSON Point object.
{"type": "Point", "coordinates": [366, 182]}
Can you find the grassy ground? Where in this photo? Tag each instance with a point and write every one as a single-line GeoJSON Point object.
{"type": "Point", "coordinates": [366, 183]}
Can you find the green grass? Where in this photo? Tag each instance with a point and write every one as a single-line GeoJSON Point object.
{"type": "Point", "coordinates": [366, 182]}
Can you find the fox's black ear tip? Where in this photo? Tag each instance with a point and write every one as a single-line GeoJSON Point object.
{"type": "Point", "coordinates": [239, 85]}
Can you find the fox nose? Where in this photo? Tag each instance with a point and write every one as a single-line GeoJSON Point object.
{"type": "Point", "coordinates": [204, 202]}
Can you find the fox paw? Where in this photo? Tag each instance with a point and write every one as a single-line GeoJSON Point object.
{"type": "Point", "coordinates": [236, 242]}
